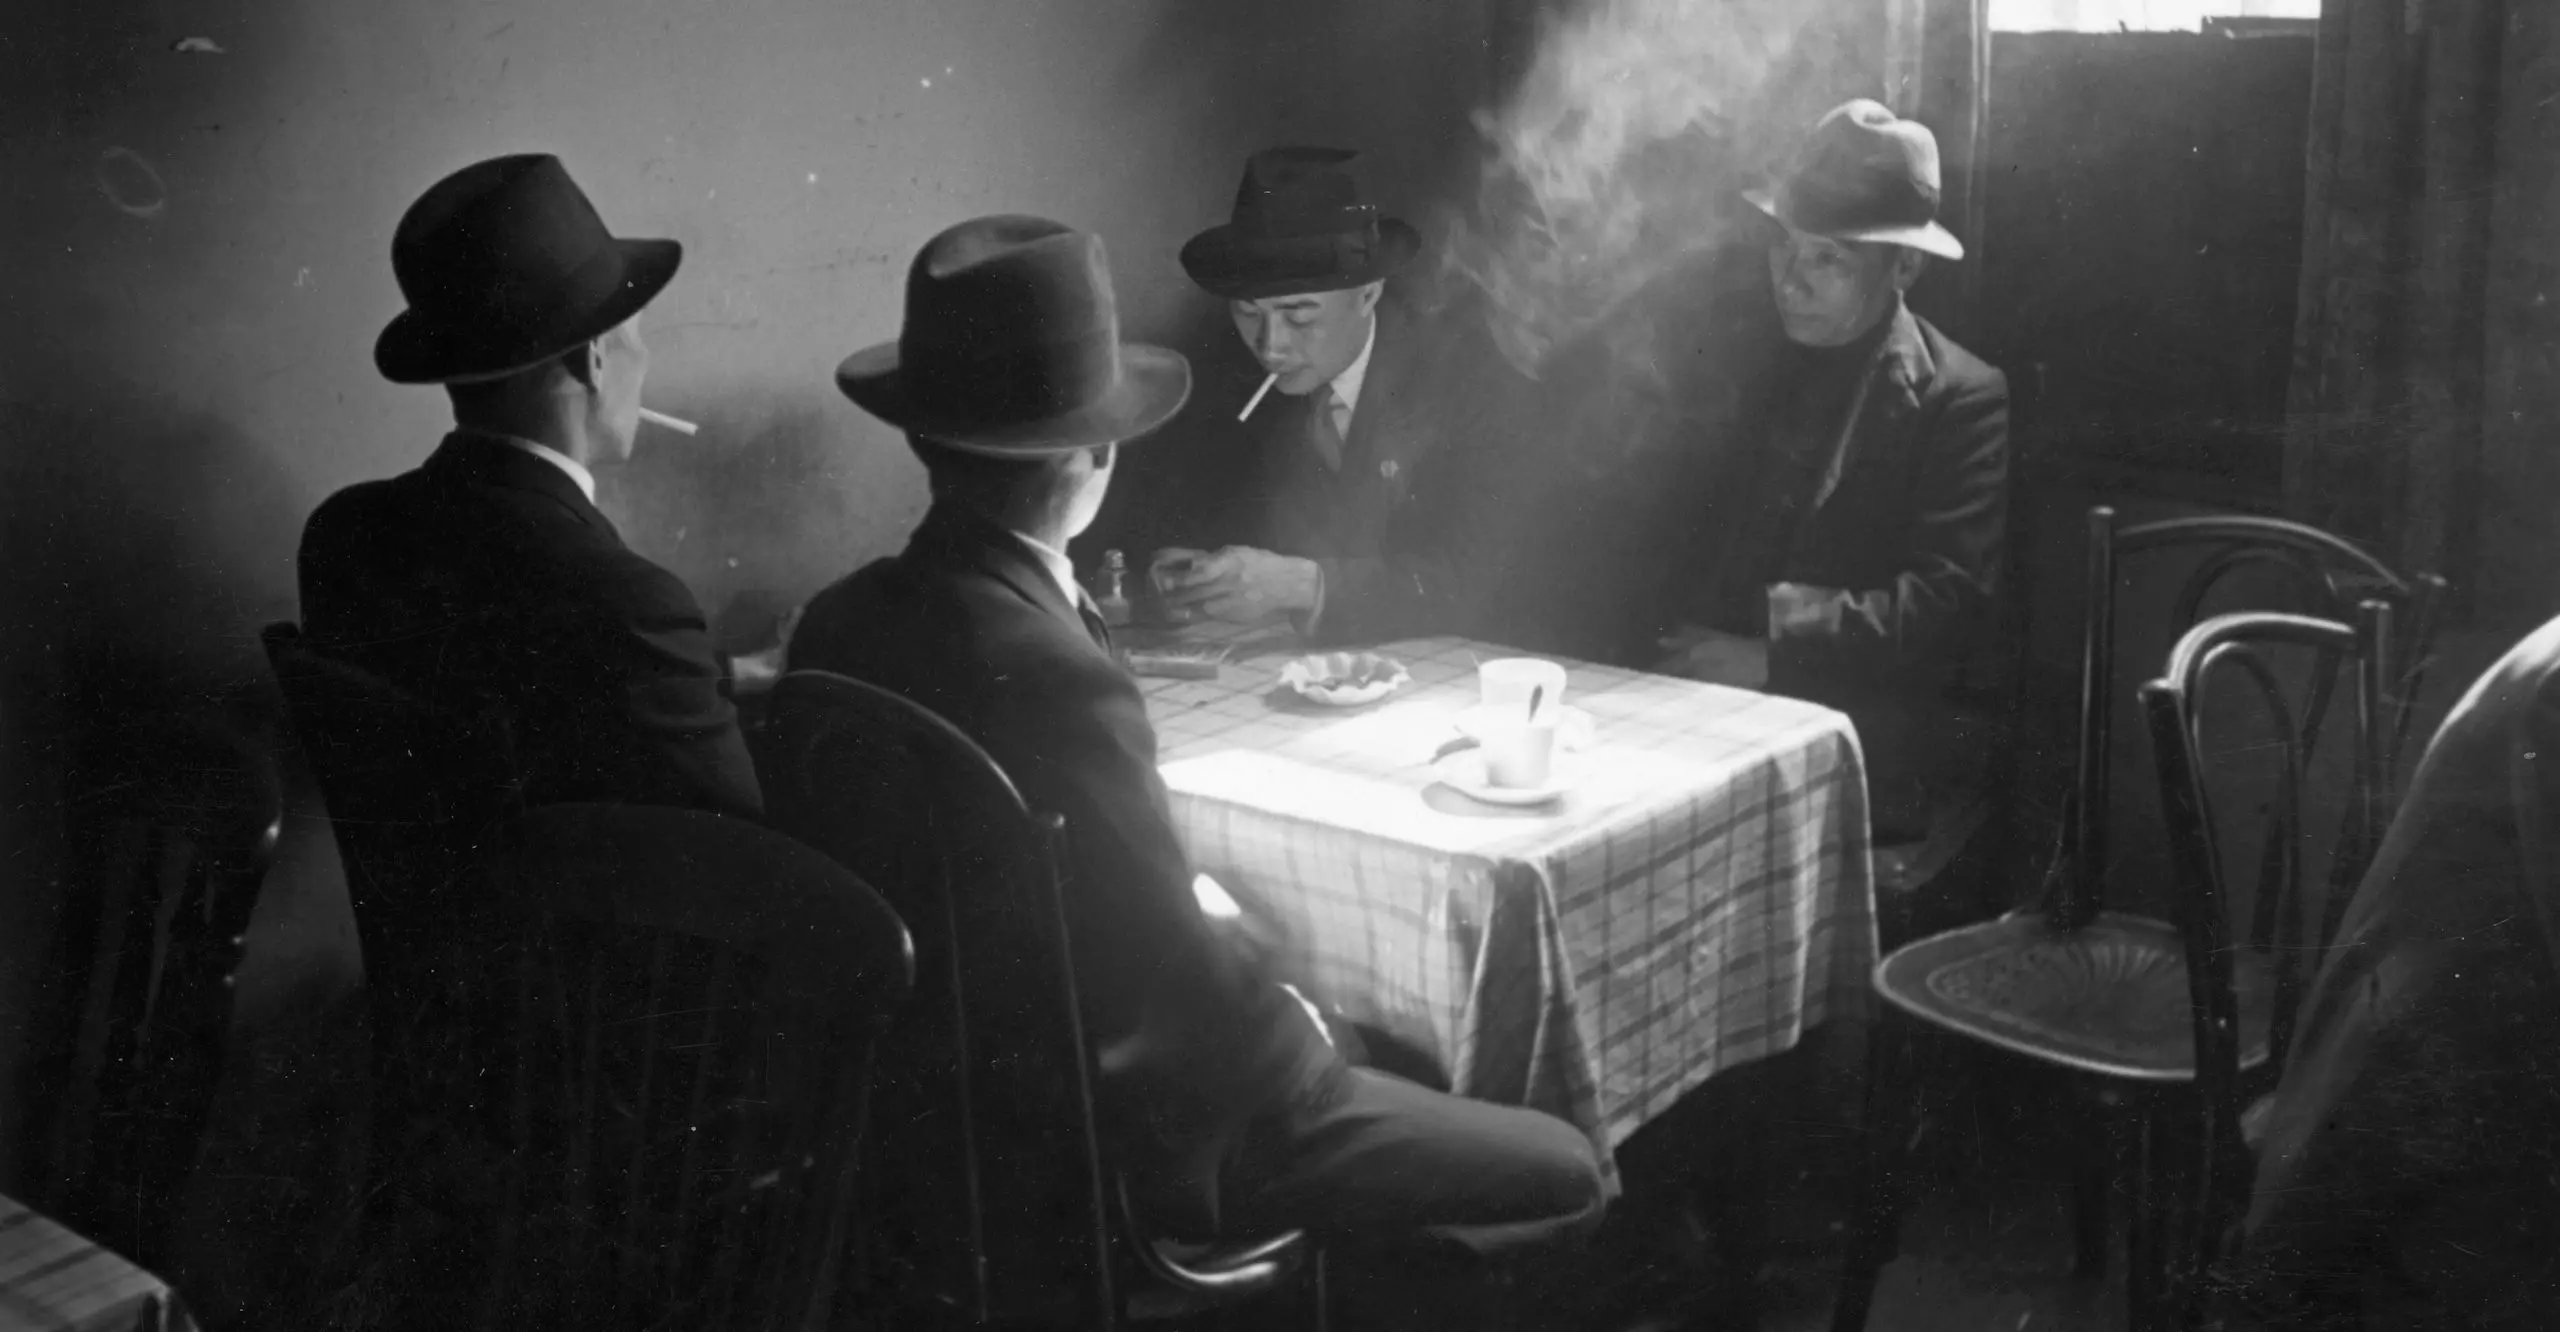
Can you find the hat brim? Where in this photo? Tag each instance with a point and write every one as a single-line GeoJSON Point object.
{"type": "Point", "coordinates": [1154, 383]}
{"type": "Point", "coordinates": [1228, 263]}
{"type": "Point", "coordinates": [1929, 239]}
{"type": "Point", "coordinates": [415, 349]}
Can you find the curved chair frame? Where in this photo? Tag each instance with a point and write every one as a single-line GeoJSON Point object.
{"type": "Point", "coordinates": [2204, 1176]}
{"type": "Point", "coordinates": [813, 712]}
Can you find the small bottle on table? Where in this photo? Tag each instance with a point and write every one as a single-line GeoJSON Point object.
{"type": "Point", "coordinates": [1113, 598]}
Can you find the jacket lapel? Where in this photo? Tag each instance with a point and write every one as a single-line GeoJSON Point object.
{"type": "Point", "coordinates": [1888, 398]}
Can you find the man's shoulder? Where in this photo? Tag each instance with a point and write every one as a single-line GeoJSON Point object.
{"type": "Point", "coordinates": [1958, 372]}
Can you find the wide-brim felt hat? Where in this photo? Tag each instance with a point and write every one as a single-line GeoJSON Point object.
{"type": "Point", "coordinates": [1299, 226]}
{"type": "Point", "coordinates": [505, 265]}
{"type": "Point", "coordinates": [1011, 347]}
{"type": "Point", "coordinates": [1864, 174]}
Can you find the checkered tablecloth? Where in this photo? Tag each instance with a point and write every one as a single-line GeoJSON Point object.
{"type": "Point", "coordinates": [1698, 899]}
{"type": "Point", "coordinates": [52, 1279]}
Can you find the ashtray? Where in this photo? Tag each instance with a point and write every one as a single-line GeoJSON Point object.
{"type": "Point", "coordinates": [1343, 679]}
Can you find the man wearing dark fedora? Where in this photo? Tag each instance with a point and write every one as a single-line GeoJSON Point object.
{"type": "Point", "coordinates": [1222, 1089]}
{"type": "Point", "coordinates": [488, 577]}
{"type": "Point", "coordinates": [1845, 548]}
{"type": "Point", "coordinates": [1365, 498]}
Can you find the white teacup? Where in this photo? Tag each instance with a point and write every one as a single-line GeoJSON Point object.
{"type": "Point", "coordinates": [1507, 683]}
{"type": "Point", "coordinates": [1520, 754]}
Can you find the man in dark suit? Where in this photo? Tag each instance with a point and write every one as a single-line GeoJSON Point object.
{"type": "Point", "coordinates": [1845, 547]}
{"type": "Point", "coordinates": [487, 577]}
{"type": "Point", "coordinates": [1369, 494]}
{"type": "Point", "coordinates": [1221, 1087]}
{"type": "Point", "coordinates": [2408, 1153]}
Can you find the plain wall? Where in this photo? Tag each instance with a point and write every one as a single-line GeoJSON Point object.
{"type": "Point", "coordinates": [199, 266]}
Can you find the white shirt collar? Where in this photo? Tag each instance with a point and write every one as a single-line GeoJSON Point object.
{"type": "Point", "coordinates": [1346, 385]}
{"type": "Point", "coordinates": [1060, 568]}
{"type": "Point", "coordinates": [577, 470]}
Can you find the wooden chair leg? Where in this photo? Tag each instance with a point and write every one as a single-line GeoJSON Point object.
{"type": "Point", "coordinates": [1875, 1226]}
{"type": "Point", "coordinates": [2093, 1173]}
{"type": "Point", "coordinates": [1318, 1292]}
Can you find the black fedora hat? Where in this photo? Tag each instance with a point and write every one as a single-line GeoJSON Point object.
{"type": "Point", "coordinates": [1864, 175]}
{"type": "Point", "coordinates": [1299, 226]}
{"type": "Point", "coordinates": [1011, 347]}
{"type": "Point", "coordinates": [505, 264]}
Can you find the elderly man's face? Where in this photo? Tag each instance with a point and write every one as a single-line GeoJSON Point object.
{"type": "Point", "coordinates": [1832, 292]}
{"type": "Point", "coordinates": [1308, 339]}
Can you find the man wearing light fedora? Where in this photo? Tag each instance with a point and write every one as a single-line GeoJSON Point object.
{"type": "Point", "coordinates": [1366, 497]}
{"type": "Point", "coordinates": [488, 576]}
{"type": "Point", "coordinates": [1846, 548]}
{"type": "Point", "coordinates": [1221, 1089]}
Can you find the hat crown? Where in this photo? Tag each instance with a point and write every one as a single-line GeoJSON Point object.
{"type": "Point", "coordinates": [1010, 318]}
{"type": "Point", "coordinates": [496, 241]}
{"type": "Point", "coordinates": [1302, 192]}
{"type": "Point", "coordinates": [1862, 167]}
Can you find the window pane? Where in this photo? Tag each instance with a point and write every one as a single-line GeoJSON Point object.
{"type": "Point", "coordinates": [2137, 15]}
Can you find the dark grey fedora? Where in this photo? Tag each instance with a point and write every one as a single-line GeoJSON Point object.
{"type": "Point", "coordinates": [1011, 347]}
{"type": "Point", "coordinates": [505, 265]}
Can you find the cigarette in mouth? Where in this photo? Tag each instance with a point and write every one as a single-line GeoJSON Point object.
{"type": "Point", "coordinates": [1256, 399]}
{"type": "Point", "coordinates": [675, 423]}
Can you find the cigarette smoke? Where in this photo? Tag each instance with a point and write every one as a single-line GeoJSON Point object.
{"type": "Point", "coordinates": [1614, 161]}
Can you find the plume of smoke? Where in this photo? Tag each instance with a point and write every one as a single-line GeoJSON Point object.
{"type": "Point", "coordinates": [1615, 159]}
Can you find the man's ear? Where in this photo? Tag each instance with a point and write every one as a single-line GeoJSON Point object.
{"type": "Point", "coordinates": [1369, 294]}
{"type": "Point", "coordinates": [1908, 265]}
{"type": "Point", "coordinates": [584, 362]}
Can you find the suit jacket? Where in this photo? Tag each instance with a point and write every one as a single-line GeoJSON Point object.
{"type": "Point", "coordinates": [486, 577]}
{"type": "Point", "coordinates": [2413, 1122]}
{"type": "Point", "coordinates": [1892, 527]}
{"type": "Point", "coordinates": [1411, 531]}
{"type": "Point", "coordinates": [968, 624]}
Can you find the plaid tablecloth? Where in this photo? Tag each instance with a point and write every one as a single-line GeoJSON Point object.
{"type": "Point", "coordinates": [52, 1279]}
{"type": "Point", "coordinates": [1697, 900]}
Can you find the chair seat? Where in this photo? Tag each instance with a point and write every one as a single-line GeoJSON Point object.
{"type": "Point", "coordinates": [2108, 999]}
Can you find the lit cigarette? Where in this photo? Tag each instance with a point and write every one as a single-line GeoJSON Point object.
{"type": "Point", "coordinates": [1256, 399]}
{"type": "Point", "coordinates": [675, 423]}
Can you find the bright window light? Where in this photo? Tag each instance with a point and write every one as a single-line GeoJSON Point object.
{"type": "Point", "coordinates": [2136, 15]}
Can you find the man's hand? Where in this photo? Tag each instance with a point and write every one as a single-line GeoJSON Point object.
{"type": "Point", "coordinates": [1236, 583]}
{"type": "Point", "coordinates": [1725, 659]}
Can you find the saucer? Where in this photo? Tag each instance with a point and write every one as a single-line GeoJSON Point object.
{"type": "Point", "coordinates": [1464, 773]}
{"type": "Point", "coordinates": [1574, 728]}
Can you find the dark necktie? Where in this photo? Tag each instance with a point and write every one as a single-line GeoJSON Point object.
{"type": "Point", "coordinates": [1324, 432]}
{"type": "Point", "coordinates": [1094, 624]}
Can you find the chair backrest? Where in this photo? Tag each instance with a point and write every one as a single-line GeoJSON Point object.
{"type": "Point", "coordinates": [415, 791]}
{"type": "Point", "coordinates": [173, 824]}
{"type": "Point", "coordinates": [2290, 941]}
{"type": "Point", "coordinates": [635, 1074]}
{"type": "Point", "coordinates": [2320, 575]}
{"type": "Point", "coordinates": [992, 1159]}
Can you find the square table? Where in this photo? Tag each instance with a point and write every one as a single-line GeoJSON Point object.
{"type": "Point", "coordinates": [1698, 899]}
{"type": "Point", "coordinates": [51, 1278]}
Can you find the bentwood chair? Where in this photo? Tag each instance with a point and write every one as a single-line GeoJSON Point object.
{"type": "Point", "coordinates": [2195, 1167]}
{"type": "Point", "coordinates": [174, 824]}
{"type": "Point", "coordinates": [635, 1074]}
{"type": "Point", "coordinates": [2301, 567]}
{"type": "Point", "coordinates": [996, 1201]}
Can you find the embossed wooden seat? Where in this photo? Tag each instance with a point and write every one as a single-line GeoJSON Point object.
{"type": "Point", "coordinates": [2109, 998]}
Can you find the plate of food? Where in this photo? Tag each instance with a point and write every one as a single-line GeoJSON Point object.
{"type": "Point", "coordinates": [1343, 679]}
